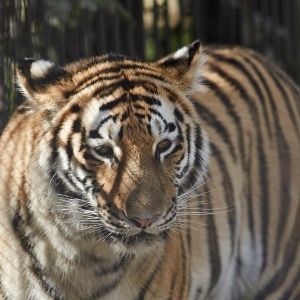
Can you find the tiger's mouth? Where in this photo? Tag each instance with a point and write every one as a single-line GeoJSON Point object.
{"type": "Point", "coordinates": [131, 240]}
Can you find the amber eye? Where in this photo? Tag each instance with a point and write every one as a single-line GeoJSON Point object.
{"type": "Point", "coordinates": [164, 145]}
{"type": "Point", "coordinates": [105, 151]}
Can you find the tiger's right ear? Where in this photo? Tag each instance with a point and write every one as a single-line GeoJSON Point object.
{"type": "Point", "coordinates": [44, 83]}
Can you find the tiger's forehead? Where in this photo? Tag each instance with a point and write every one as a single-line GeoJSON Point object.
{"type": "Point", "coordinates": [108, 78]}
{"type": "Point", "coordinates": [129, 109]}
{"type": "Point", "coordinates": [96, 69]}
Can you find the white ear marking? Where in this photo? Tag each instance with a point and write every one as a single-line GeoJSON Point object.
{"type": "Point", "coordinates": [181, 53]}
{"type": "Point", "coordinates": [39, 68]}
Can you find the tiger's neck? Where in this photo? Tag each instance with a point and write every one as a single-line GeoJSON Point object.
{"type": "Point", "coordinates": [98, 271]}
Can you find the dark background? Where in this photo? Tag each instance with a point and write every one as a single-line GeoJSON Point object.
{"type": "Point", "coordinates": [65, 30]}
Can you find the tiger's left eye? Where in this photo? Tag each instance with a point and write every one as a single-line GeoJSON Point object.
{"type": "Point", "coordinates": [163, 146]}
{"type": "Point", "coordinates": [105, 151]}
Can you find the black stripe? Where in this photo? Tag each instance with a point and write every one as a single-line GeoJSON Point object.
{"type": "Point", "coordinates": [171, 95]}
{"type": "Point", "coordinates": [147, 99]}
{"type": "Point", "coordinates": [199, 147]}
{"type": "Point", "coordinates": [60, 185]}
{"type": "Point", "coordinates": [249, 195]}
{"type": "Point", "coordinates": [228, 190]}
{"type": "Point", "coordinates": [69, 150]}
{"type": "Point", "coordinates": [280, 83]}
{"type": "Point", "coordinates": [213, 246]}
{"type": "Point", "coordinates": [125, 115]}
{"type": "Point", "coordinates": [22, 109]}
{"type": "Point", "coordinates": [147, 284]}
{"type": "Point", "coordinates": [107, 90]}
{"type": "Point", "coordinates": [133, 98]}
{"type": "Point", "coordinates": [184, 267]}
{"type": "Point", "coordinates": [94, 134]}
{"type": "Point", "coordinates": [75, 108]}
{"type": "Point", "coordinates": [170, 127]}
{"type": "Point", "coordinates": [227, 103]}
{"type": "Point", "coordinates": [293, 87]}
{"type": "Point", "coordinates": [174, 277]}
{"type": "Point", "coordinates": [264, 195]}
{"type": "Point", "coordinates": [198, 293]}
{"type": "Point", "coordinates": [288, 105]}
{"type": "Point", "coordinates": [140, 116]}
{"type": "Point", "coordinates": [19, 226]}
{"type": "Point", "coordinates": [120, 134]}
{"type": "Point", "coordinates": [120, 265]}
{"type": "Point", "coordinates": [212, 121]}
{"type": "Point", "coordinates": [158, 114]}
{"type": "Point", "coordinates": [112, 104]}
{"type": "Point", "coordinates": [294, 284]}
{"type": "Point", "coordinates": [54, 144]}
{"type": "Point", "coordinates": [188, 140]}
{"type": "Point", "coordinates": [178, 115]}
{"type": "Point", "coordinates": [290, 254]}
{"type": "Point", "coordinates": [105, 290]}
{"type": "Point", "coordinates": [138, 106]}
{"type": "Point", "coordinates": [237, 64]}
{"type": "Point", "coordinates": [114, 118]}
{"type": "Point", "coordinates": [76, 126]}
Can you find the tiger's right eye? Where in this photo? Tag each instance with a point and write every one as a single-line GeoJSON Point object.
{"type": "Point", "coordinates": [105, 151]}
{"type": "Point", "coordinates": [164, 145]}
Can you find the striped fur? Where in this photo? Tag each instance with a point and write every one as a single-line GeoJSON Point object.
{"type": "Point", "coordinates": [109, 188]}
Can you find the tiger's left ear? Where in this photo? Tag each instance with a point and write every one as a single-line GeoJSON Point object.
{"type": "Point", "coordinates": [185, 67]}
{"type": "Point", "coordinates": [43, 83]}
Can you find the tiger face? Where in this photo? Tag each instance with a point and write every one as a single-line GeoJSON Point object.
{"type": "Point", "coordinates": [125, 143]}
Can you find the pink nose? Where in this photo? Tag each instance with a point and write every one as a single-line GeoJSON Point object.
{"type": "Point", "coordinates": [145, 222]}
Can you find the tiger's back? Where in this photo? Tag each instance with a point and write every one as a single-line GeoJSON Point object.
{"type": "Point", "coordinates": [252, 117]}
{"type": "Point", "coordinates": [104, 170]}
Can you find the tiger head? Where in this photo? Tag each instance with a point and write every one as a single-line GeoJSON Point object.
{"type": "Point", "coordinates": [121, 141]}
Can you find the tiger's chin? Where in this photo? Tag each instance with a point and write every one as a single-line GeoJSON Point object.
{"type": "Point", "coordinates": [138, 244]}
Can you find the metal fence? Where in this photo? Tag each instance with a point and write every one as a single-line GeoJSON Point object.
{"type": "Point", "coordinates": [65, 30]}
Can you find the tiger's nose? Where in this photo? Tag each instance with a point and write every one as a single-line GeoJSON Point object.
{"type": "Point", "coordinates": [143, 223]}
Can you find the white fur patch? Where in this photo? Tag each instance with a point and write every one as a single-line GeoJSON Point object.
{"type": "Point", "coordinates": [182, 52]}
{"type": "Point", "coordinates": [39, 68]}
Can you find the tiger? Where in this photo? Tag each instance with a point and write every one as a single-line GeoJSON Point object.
{"type": "Point", "coordinates": [174, 179]}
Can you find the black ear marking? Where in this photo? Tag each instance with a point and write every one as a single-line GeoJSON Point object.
{"type": "Point", "coordinates": [46, 85]}
{"type": "Point", "coordinates": [185, 67]}
{"type": "Point", "coordinates": [193, 49]}
{"type": "Point", "coordinates": [184, 55]}
{"type": "Point", "coordinates": [24, 66]}
{"type": "Point", "coordinates": [40, 73]}
{"type": "Point", "coordinates": [53, 75]}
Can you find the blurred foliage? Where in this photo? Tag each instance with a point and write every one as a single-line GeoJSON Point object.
{"type": "Point", "coordinates": [69, 11]}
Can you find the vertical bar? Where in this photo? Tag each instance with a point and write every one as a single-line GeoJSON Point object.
{"type": "Point", "coordinates": [2, 68]}
{"type": "Point", "coordinates": [127, 32]}
{"type": "Point", "coordinates": [155, 30]}
{"type": "Point", "coordinates": [102, 27]}
{"type": "Point", "coordinates": [116, 35]}
{"type": "Point", "coordinates": [181, 30]}
{"type": "Point", "coordinates": [167, 33]}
